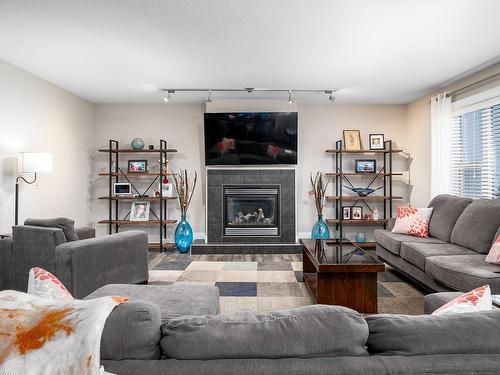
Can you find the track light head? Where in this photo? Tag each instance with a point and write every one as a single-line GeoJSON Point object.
{"type": "Point", "coordinates": [331, 98]}
{"type": "Point", "coordinates": [290, 101]}
{"type": "Point", "coordinates": [167, 98]}
{"type": "Point", "coordinates": [209, 99]}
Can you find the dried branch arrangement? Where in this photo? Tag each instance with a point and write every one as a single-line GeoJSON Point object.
{"type": "Point", "coordinates": [319, 189]}
{"type": "Point", "coordinates": [184, 192]}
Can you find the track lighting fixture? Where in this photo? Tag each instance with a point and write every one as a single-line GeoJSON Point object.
{"type": "Point", "coordinates": [251, 90]}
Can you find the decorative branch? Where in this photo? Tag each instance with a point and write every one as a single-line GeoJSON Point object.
{"type": "Point", "coordinates": [319, 189]}
{"type": "Point", "coordinates": [184, 193]}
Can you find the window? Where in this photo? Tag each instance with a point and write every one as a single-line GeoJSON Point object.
{"type": "Point", "coordinates": [475, 153]}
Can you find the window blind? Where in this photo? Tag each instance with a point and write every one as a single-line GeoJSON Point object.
{"type": "Point", "coordinates": [475, 153]}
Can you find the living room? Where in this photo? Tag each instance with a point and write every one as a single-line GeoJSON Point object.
{"type": "Point", "coordinates": [177, 172]}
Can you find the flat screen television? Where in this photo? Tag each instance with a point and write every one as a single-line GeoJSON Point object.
{"type": "Point", "coordinates": [251, 138]}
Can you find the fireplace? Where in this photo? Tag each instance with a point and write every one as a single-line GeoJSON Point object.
{"type": "Point", "coordinates": [250, 210]}
{"type": "Point", "coordinates": [254, 207]}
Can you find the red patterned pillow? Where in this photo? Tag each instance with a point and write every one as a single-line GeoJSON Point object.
{"type": "Point", "coordinates": [478, 299]}
{"type": "Point", "coordinates": [494, 254]}
{"type": "Point", "coordinates": [412, 220]}
{"type": "Point", "coordinates": [43, 284]}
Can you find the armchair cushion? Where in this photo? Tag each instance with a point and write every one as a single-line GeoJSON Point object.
{"type": "Point", "coordinates": [84, 233]}
{"type": "Point", "coordinates": [67, 226]}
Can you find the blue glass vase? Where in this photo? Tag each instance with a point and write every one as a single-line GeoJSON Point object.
{"type": "Point", "coordinates": [183, 236]}
{"type": "Point", "coordinates": [320, 229]}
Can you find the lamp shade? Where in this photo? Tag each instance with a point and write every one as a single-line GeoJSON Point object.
{"type": "Point", "coordinates": [35, 162]}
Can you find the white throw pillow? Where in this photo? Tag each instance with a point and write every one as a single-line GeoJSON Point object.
{"type": "Point", "coordinates": [412, 220]}
{"type": "Point", "coordinates": [478, 299]}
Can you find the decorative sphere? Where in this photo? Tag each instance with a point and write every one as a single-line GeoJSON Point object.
{"type": "Point", "coordinates": [137, 144]}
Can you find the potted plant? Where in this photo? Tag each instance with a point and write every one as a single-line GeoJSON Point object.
{"type": "Point", "coordinates": [320, 228]}
{"type": "Point", "coordinates": [184, 232]}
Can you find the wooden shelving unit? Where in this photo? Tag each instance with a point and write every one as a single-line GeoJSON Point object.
{"type": "Point", "coordinates": [160, 220]}
{"type": "Point", "coordinates": [385, 175]}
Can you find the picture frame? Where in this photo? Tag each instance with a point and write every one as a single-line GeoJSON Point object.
{"type": "Point", "coordinates": [357, 212]}
{"type": "Point", "coordinates": [365, 166]}
{"type": "Point", "coordinates": [137, 166]}
{"type": "Point", "coordinates": [122, 189]}
{"type": "Point", "coordinates": [346, 213]}
{"type": "Point", "coordinates": [376, 141]}
{"type": "Point", "coordinates": [139, 211]}
{"type": "Point", "coordinates": [352, 140]}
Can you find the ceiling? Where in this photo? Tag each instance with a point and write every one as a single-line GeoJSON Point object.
{"type": "Point", "coordinates": [124, 51]}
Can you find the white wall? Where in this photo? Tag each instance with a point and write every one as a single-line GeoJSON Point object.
{"type": "Point", "coordinates": [181, 125]}
{"type": "Point", "coordinates": [40, 117]}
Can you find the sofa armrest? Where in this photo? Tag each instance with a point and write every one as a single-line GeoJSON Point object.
{"type": "Point", "coordinates": [86, 265]}
{"type": "Point", "coordinates": [84, 233]}
{"type": "Point", "coordinates": [34, 247]}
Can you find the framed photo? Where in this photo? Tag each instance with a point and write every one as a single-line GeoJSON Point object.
{"type": "Point", "coordinates": [352, 140]}
{"type": "Point", "coordinates": [357, 212]}
{"type": "Point", "coordinates": [167, 189]}
{"type": "Point", "coordinates": [376, 141]}
{"type": "Point", "coordinates": [137, 166]}
{"type": "Point", "coordinates": [365, 166]}
{"type": "Point", "coordinates": [139, 211]}
{"type": "Point", "coordinates": [346, 213]}
{"type": "Point", "coordinates": [122, 189]}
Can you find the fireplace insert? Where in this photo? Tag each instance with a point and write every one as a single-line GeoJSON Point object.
{"type": "Point", "coordinates": [251, 210]}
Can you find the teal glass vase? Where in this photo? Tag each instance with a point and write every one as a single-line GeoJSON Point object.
{"type": "Point", "coordinates": [183, 236]}
{"type": "Point", "coordinates": [320, 229]}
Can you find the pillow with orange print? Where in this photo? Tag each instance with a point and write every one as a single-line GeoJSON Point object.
{"type": "Point", "coordinates": [494, 253]}
{"type": "Point", "coordinates": [43, 284]}
{"type": "Point", "coordinates": [45, 337]}
{"type": "Point", "coordinates": [413, 221]}
{"type": "Point", "coordinates": [478, 299]}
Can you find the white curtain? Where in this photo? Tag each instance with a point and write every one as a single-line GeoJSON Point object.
{"type": "Point", "coordinates": [440, 144]}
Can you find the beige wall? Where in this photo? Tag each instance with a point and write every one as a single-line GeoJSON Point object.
{"type": "Point", "coordinates": [418, 130]}
{"type": "Point", "coordinates": [40, 117]}
{"type": "Point", "coordinates": [181, 125]}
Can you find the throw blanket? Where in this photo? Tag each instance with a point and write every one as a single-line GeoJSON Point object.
{"type": "Point", "coordinates": [43, 337]}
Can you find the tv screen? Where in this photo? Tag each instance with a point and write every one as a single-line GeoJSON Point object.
{"type": "Point", "coordinates": [251, 138]}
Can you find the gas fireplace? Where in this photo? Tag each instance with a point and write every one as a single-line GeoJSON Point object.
{"type": "Point", "coordinates": [251, 210]}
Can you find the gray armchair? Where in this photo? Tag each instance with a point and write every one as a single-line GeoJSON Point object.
{"type": "Point", "coordinates": [83, 265]}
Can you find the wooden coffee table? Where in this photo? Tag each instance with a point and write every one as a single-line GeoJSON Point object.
{"type": "Point", "coordinates": [338, 272]}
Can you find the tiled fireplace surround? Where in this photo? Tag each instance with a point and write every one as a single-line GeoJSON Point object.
{"type": "Point", "coordinates": [217, 242]}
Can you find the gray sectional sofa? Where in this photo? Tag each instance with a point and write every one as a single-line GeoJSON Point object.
{"type": "Point", "coordinates": [177, 329]}
{"type": "Point", "coordinates": [452, 258]}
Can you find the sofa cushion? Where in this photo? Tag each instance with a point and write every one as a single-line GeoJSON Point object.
{"type": "Point", "coordinates": [415, 253]}
{"type": "Point", "coordinates": [173, 300]}
{"type": "Point", "coordinates": [473, 333]}
{"type": "Point", "coordinates": [477, 226]}
{"type": "Point", "coordinates": [67, 226]}
{"type": "Point", "coordinates": [447, 210]}
{"type": "Point", "coordinates": [392, 241]}
{"type": "Point", "coordinates": [464, 272]}
{"type": "Point", "coordinates": [309, 331]}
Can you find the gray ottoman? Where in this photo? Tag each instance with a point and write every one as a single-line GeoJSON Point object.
{"type": "Point", "coordinates": [132, 330]}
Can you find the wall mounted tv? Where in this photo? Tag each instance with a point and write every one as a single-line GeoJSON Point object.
{"type": "Point", "coordinates": [251, 138]}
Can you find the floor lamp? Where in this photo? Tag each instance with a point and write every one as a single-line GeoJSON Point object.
{"type": "Point", "coordinates": [33, 163]}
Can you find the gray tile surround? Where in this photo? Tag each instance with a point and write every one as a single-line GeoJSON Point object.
{"type": "Point", "coordinates": [216, 178]}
